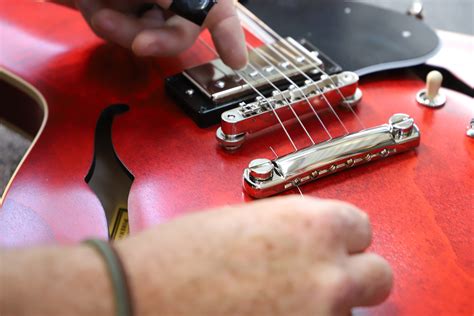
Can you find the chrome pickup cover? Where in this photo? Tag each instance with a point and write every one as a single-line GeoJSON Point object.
{"type": "Point", "coordinates": [265, 178]}
{"type": "Point", "coordinates": [312, 96]}
{"type": "Point", "coordinates": [268, 63]}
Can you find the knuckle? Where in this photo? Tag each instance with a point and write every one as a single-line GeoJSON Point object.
{"type": "Point", "coordinates": [338, 286]}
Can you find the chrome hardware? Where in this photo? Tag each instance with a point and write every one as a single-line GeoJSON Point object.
{"type": "Point", "coordinates": [309, 164]}
{"type": "Point", "coordinates": [470, 129]}
{"type": "Point", "coordinates": [430, 96]}
{"type": "Point", "coordinates": [352, 101]}
{"type": "Point", "coordinates": [416, 9]}
{"type": "Point", "coordinates": [252, 117]}
{"type": "Point", "coordinates": [220, 83]}
{"type": "Point", "coordinates": [261, 169]}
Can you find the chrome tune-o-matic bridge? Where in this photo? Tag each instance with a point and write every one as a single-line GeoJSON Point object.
{"type": "Point", "coordinates": [265, 177]}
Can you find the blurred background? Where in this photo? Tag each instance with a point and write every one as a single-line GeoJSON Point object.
{"type": "Point", "coordinates": [449, 15]}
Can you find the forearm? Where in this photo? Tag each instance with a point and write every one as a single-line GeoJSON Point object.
{"type": "Point", "coordinates": [54, 281]}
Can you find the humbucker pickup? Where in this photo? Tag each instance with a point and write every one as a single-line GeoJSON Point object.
{"type": "Point", "coordinates": [208, 90]}
{"type": "Point", "coordinates": [266, 177]}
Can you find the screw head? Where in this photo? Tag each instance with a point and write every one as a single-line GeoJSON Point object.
{"type": "Point", "coordinates": [350, 162]}
{"type": "Point", "coordinates": [261, 169]}
{"type": "Point", "coordinates": [402, 123]}
{"type": "Point", "coordinates": [220, 84]}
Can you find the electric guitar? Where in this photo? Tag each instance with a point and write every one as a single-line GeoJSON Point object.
{"type": "Point", "coordinates": [327, 108]}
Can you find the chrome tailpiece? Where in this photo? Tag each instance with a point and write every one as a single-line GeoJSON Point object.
{"type": "Point", "coordinates": [266, 177]}
{"type": "Point", "coordinates": [313, 96]}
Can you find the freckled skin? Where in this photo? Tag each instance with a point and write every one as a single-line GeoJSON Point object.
{"type": "Point", "coordinates": [278, 257]}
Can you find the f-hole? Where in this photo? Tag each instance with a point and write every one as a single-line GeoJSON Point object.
{"type": "Point", "coordinates": [108, 177]}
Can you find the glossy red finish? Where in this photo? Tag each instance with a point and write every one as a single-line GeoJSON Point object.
{"type": "Point", "coordinates": [420, 202]}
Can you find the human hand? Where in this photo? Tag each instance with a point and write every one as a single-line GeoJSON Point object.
{"type": "Point", "coordinates": [157, 32]}
{"type": "Point", "coordinates": [286, 256]}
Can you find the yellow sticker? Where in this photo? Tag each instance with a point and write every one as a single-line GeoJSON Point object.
{"type": "Point", "coordinates": [119, 228]}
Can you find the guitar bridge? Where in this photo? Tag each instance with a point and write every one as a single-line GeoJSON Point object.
{"type": "Point", "coordinates": [255, 116]}
{"type": "Point", "coordinates": [266, 177]}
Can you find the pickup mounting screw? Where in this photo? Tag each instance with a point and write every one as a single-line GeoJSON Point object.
{"type": "Point", "coordinates": [220, 84]}
{"type": "Point", "coordinates": [190, 92]}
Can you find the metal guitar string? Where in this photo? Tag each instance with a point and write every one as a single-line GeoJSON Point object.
{"type": "Point", "coordinates": [271, 106]}
{"type": "Point", "coordinates": [313, 83]}
{"type": "Point", "coordinates": [285, 42]}
{"type": "Point", "coordinates": [293, 83]}
{"type": "Point", "coordinates": [259, 93]}
{"type": "Point", "coordinates": [273, 151]}
{"type": "Point", "coordinates": [288, 103]}
{"type": "Point", "coordinates": [256, 90]}
{"type": "Point", "coordinates": [256, 50]}
{"type": "Point", "coordinates": [286, 99]}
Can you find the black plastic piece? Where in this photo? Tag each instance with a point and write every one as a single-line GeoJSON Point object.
{"type": "Point", "coordinates": [359, 37]}
{"type": "Point", "coordinates": [195, 11]}
{"type": "Point", "coordinates": [206, 112]}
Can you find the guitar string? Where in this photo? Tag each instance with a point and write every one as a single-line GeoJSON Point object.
{"type": "Point", "coordinates": [313, 83]}
{"type": "Point", "coordinates": [280, 38]}
{"type": "Point", "coordinates": [288, 103]}
{"type": "Point", "coordinates": [299, 190]}
{"type": "Point", "coordinates": [359, 121]}
{"type": "Point", "coordinates": [261, 55]}
{"type": "Point", "coordinates": [256, 90]}
{"type": "Point", "coordinates": [274, 152]}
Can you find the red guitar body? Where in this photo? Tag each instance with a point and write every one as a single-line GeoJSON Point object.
{"type": "Point", "coordinates": [420, 202]}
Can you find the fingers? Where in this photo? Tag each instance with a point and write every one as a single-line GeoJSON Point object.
{"type": "Point", "coordinates": [173, 37]}
{"type": "Point", "coordinates": [226, 31]}
{"type": "Point", "coordinates": [116, 27]}
{"type": "Point", "coordinates": [227, 34]}
{"type": "Point", "coordinates": [352, 225]}
{"type": "Point", "coordinates": [150, 35]}
{"type": "Point", "coordinates": [346, 225]}
{"type": "Point", "coordinates": [88, 8]}
{"type": "Point", "coordinates": [372, 279]}
{"type": "Point", "coordinates": [229, 40]}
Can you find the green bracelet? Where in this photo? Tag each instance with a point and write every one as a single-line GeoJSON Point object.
{"type": "Point", "coordinates": [117, 275]}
